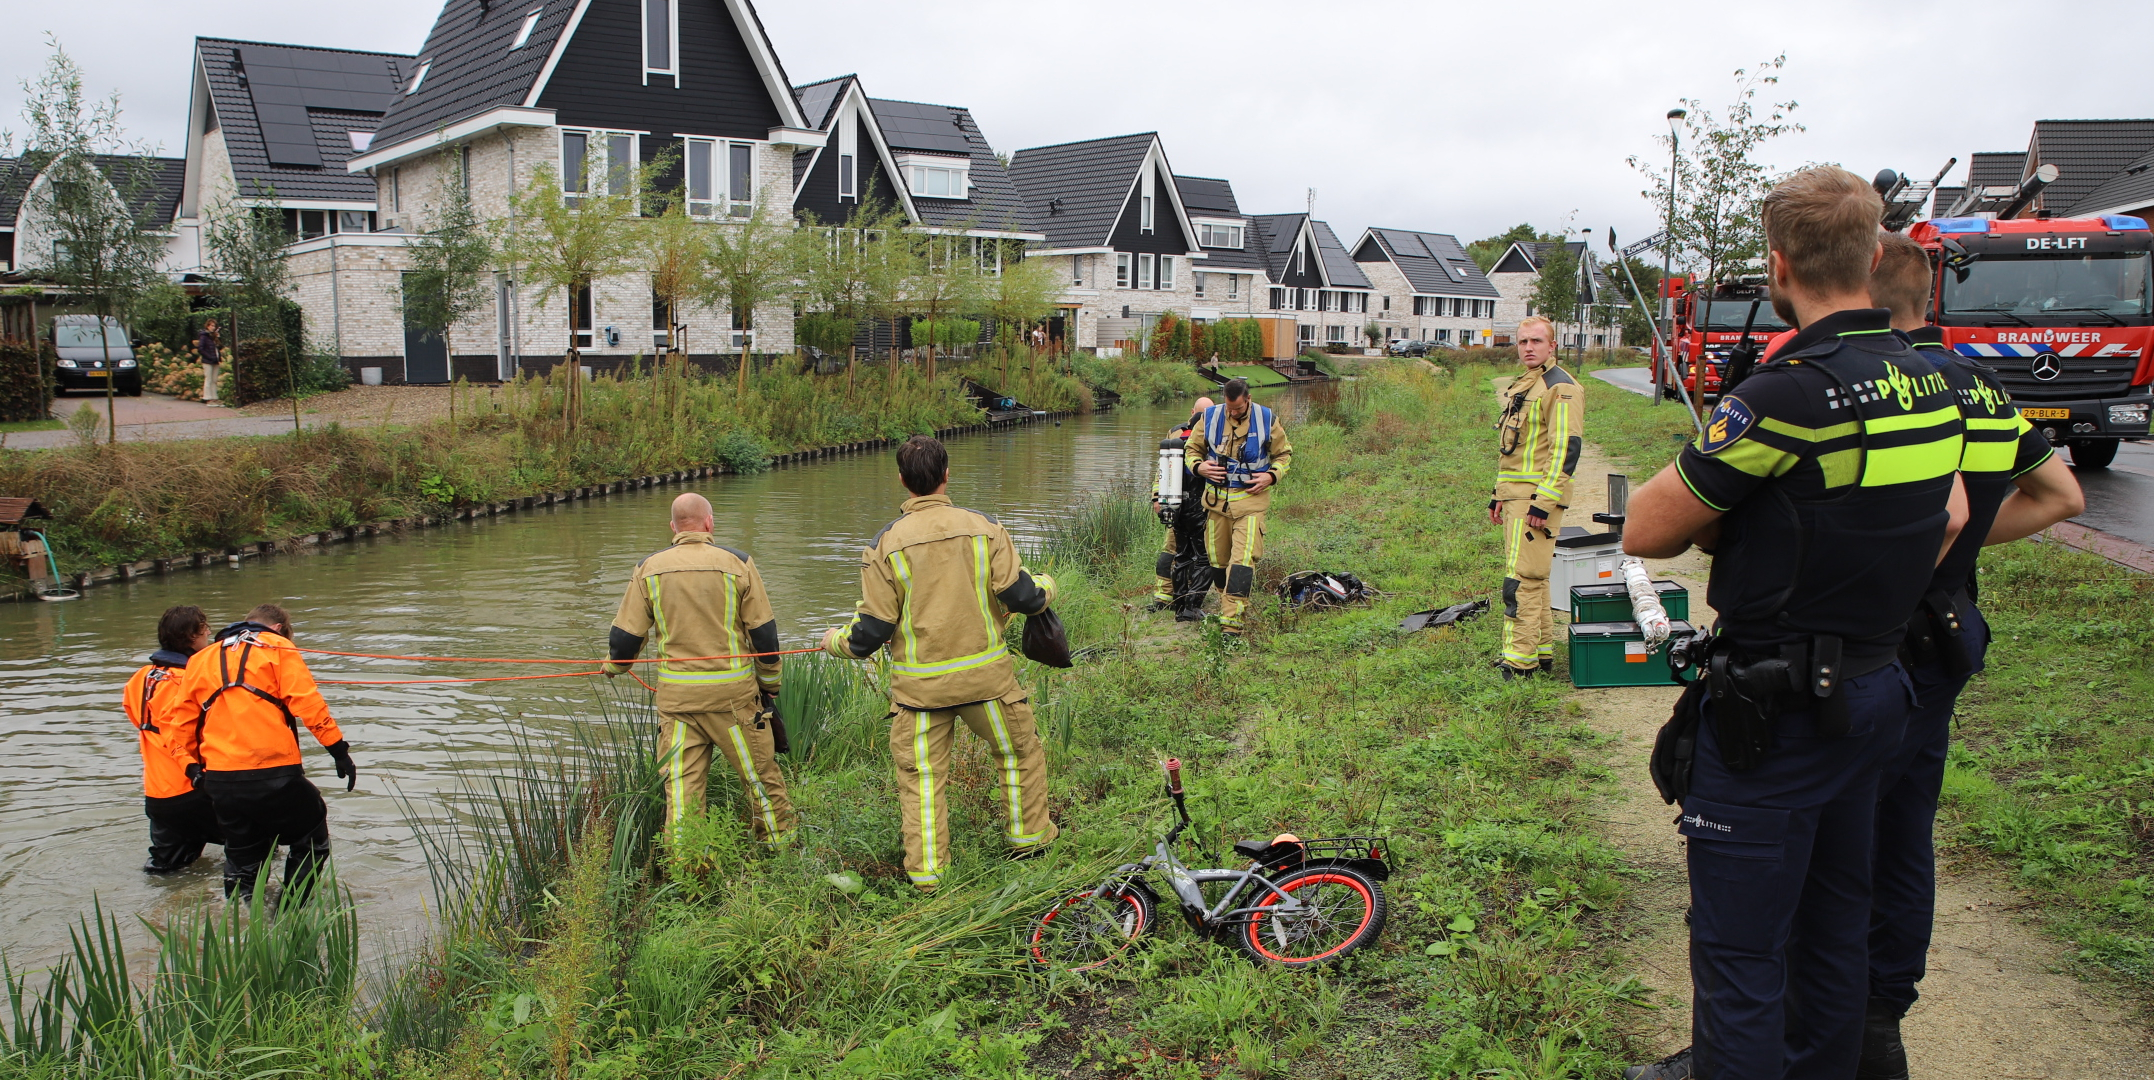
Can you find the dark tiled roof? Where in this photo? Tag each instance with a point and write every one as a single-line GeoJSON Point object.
{"type": "Point", "coordinates": [1278, 232]}
{"type": "Point", "coordinates": [298, 103]}
{"type": "Point", "coordinates": [1942, 199]}
{"type": "Point", "coordinates": [948, 129]}
{"type": "Point", "coordinates": [1339, 266]}
{"type": "Point", "coordinates": [1074, 191]}
{"type": "Point", "coordinates": [2130, 189]}
{"type": "Point", "coordinates": [470, 67]}
{"type": "Point", "coordinates": [1996, 167]}
{"type": "Point", "coordinates": [1207, 197]}
{"type": "Point", "coordinates": [11, 185]}
{"type": "Point", "coordinates": [162, 180]}
{"type": "Point", "coordinates": [1435, 264]}
{"type": "Point", "coordinates": [818, 98]}
{"type": "Point", "coordinates": [1536, 251]}
{"type": "Point", "coordinates": [2087, 153]}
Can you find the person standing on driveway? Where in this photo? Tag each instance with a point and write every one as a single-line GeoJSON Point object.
{"type": "Point", "coordinates": [208, 349]}
{"type": "Point", "coordinates": [703, 600]}
{"type": "Point", "coordinates": [1826, 487]}
{"type": "Point", "coordinates": [1539, 438]}
{"type": "Point", "coordinates": [937, 587]}
{"type": "Point", "coordinates": [181, 817]}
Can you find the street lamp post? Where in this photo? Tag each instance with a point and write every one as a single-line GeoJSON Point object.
{"type": "Point", "coordinates": [1667, 252]}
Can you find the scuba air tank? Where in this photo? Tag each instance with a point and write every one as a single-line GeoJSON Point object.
{"type": "Point", "coordinates": [1171, 466]}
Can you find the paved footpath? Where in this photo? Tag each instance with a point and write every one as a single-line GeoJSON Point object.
{"type": "Point", "coordinates": [151, 418]}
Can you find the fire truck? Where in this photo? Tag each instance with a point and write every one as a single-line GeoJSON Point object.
{"type": "Point", "coordinates": [2061, 308]}
{"type": "Point", "coordinates": [1709, 324]}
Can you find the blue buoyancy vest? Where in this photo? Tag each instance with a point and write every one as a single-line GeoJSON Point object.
{"type": "Point", "coordinates": [1252, 456]}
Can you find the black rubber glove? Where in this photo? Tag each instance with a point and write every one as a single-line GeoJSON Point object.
{"type": "Point", "coordinates": [346, 771]}
{"type": "Point", "coordinates": [194, 774]}
{"type": "Point", "coordinates": [770, 704]}
{"type": "Point", "coordinates": [1537, 518]}
{"type": "Point", "coordinates": [1166, 514]}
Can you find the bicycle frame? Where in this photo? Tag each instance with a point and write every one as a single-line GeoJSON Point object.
{"type": "Point", "coordinates": [1188, 884]}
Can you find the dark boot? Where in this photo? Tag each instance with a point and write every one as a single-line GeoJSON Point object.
{"type": "Point", "coordinates": [1884, 1056]}
{"type": "Point", "coordinates": [1675, 1066]}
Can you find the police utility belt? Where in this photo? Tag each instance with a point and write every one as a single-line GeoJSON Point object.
{"type": "Point", "coordinates": [1750, 690]}
{"type": "Point", "coordinates": [1936, 635]}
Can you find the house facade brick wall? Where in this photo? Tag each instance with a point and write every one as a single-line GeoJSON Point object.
{"type": "Point", "coordinates": [1401, 324]}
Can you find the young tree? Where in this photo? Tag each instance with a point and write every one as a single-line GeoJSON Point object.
{"type": "Point", "coordinates": [566, 241]}
{"type": "Point", "coordinates": [246, 255]}
{"type": "Point", "coordinates": [1025, 291]}
{"type": "Point", "coordinates": [1485, 252]}
{"type": "Point", "coordinates": [93, 199]}
{"type": "Point", "coordinates": [748, 263]}
{"type": "Point", "coordinates": [676, 248]}
{"type": "Point", "coordinates": [449, 265]}
{"type": "Point", "coordinates": [836, 268]}
{"type": "Point", "coordinates": [1720, 189]}
{"type": "Point", "coordinates": [951, 280]}
{"type": "Point", "coordinates": [1556, 293]}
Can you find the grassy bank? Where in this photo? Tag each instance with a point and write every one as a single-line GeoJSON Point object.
{"type": "Point", "coordinates": [2049, 779]}
{"type": "Point", "coordinates": [115, 504]}
{"type": "Point", "coordinates": [575, 947]}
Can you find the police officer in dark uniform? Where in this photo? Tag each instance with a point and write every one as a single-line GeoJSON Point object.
{"type": "Point", "coordinates": [1826, 488]}
{"type": "Point", "coordinates": [1944, 647]}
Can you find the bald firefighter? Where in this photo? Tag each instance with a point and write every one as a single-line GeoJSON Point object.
{"type": "Point", "coordinates": [700, 599]}
{"type": "Point", "coordinates": [936, 587]}
{"type": "Point", "coordinates": [1241, 450]}
{"type": "Point", "coordinates": [182, 820]}
{"type": "Point", "coordinates": [235, 730]}
{"type": "Point", "coordinates": [1539, 438]}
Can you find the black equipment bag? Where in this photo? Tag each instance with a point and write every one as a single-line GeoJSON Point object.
{"type": "Point", "coordinates": [1675, 749]}
{"type": "Point", "coordinates": [1045, 642]}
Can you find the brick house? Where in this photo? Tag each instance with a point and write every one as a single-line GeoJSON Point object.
{"type": "Point", "coordinates": [1428, 288]}
{"type": "Point", "coordinates": [1518, 272]}
{"type": "Point", "coordinates": [1311, 279]}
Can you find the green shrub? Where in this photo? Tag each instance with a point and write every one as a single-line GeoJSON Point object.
{"type": "Point", "coordinates": [25, 381]}
{"type": "Point", "coordinates": [739, 451]}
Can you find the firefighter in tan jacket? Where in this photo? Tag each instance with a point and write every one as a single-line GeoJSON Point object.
{"type": "Point", "coordinates": [1241, 451]}
{"type": "Point", "coordinates": [703, 600]}
{"type": "Point", "coordinates": [1539, 438]}
{"type": "Point", "coordinates": [936, 588]}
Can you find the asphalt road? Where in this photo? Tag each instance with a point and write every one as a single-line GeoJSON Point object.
{"type": "Point", "coordinates": [2120, 499]}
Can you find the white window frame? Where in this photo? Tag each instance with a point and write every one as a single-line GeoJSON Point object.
{"type": "Point", "coordinates": [1306, 332]}
{"type": "Point", "coordinates": [1234, 286]}
{"type": "Point", "coordinates": [918, 176]}
{"type": "Point", "coordinates": [672, 70]}
{"type": "Point", "coordinates": [1077, 270]}
{"type": "Point", "coordinates": [523, 33]}
{"type": "Point", "coordinates": [1124, 269]}
{"type": "Point", "coordinates": [848, 177]}
{"type": "Point", "coordinates": [424, 67]}
{"type": "Point", "coordinates": [1278, 298]}
{"type": "Point", "coordinates": [1146, 263]}
{"type": "Point", "coordinates": [603, 138]}
{"type": "Point", "coordinates": [1196, 281]}
{"type": "Point", "coordinates": [1213, 234]}
{"type": "Point", "coordinates": [1301, 259]}
{"type": "Point", "coordinates": [1146, 217]}
{"type": "Point", "coordinates": [1166, 272]}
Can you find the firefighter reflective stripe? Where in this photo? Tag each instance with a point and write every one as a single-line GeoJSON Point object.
{"type": "Point", "coordinates": [930, 870]}
{"type": "Point", "coordinates": [1013, 789]}
{"type": "Point", "coordinates": [982, 571]}
{"type": "Point", "coordinates": [753, 785]}
{"type": "Point", "coordinates": [677, 775]}
{"type": "Point", "coordinates": [1559, 437]}
{"type": "Point", "coordinates": [737, 669]}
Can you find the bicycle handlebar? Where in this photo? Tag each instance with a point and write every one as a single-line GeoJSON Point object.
{"type": "Point", "coordinates": [1174, 776]}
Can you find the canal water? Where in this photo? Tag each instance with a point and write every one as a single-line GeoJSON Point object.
{"type": "Point", "coordinates": [540, 583]}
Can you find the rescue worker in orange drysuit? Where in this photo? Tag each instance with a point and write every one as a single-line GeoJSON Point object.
{"type": "Point", "coordinates": [181, 818]}
{"type": "Point", "coordinates": [235, 729]}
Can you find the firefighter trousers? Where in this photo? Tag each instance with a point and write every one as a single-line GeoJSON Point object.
{"type": "Point", "coordinates": [920, 748]}
{"type": "Point", "coordinates": [745, 740]}
{"type": "Point", "coordinates": [1182, 575]}
{"type": "Point", "coordinates": [179, 827]}
{"type": "Point", "coordinates": [1529, 624]}
{"type": "Point", "coordinates": [1234, 544]}
{"type": "Point", "coordinates": [261, 810]}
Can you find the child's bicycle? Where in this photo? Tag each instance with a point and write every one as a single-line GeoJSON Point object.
{"type": "Point", "coordinates": [1297, 903]}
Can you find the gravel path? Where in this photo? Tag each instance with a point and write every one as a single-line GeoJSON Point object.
{"type": "Point", "coordinates": [156, 418]}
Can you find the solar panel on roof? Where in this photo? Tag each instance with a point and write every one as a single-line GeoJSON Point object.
{"type": "Point", "coordinates": [285, 83]}
{"type": "Point", "coordinates": [915, 126]}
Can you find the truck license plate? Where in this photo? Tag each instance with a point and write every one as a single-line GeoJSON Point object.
{"type": "Point", "coordinates": [2046, 414]}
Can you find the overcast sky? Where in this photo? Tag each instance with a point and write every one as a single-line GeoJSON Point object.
{"type": "Point", "coordinates": [1446, 117]}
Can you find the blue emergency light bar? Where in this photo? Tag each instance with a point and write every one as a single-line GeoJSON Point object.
{"type": "Point", "coordinates": [2120, 223]}
{"type": "Point", "coordinates": [1961, 225]}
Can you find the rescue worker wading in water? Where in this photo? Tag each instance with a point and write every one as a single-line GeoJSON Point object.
{"type": "Point", "coordinates": [701, 599]}
{"type": "Point", "coordinates": [1183, 575]}
{"type": "Point", "coordinates": [181, 818]}
{"type": "Point", "coordinates": [235, 728]}
{"type": "Point", "coordinates": [937, 586]}
{"type": "Point", "coordinates": [1539, 438]}
{"type": "Point", "coordinates": [1241, 450]}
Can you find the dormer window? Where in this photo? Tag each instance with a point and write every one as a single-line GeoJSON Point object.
{"type": "Point", "coordinates": [661, 40]}
{"type": "Point", "coordinates": [418, 78]}
{"type": "Point", "coordinates": [936, 177]}
{"type": "Point", "coordinates": [523, 33]}
{"type": "Point", "coordinates": [1218, 235]}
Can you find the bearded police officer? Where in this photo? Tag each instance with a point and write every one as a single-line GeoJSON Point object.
{"type": "Point", "coordinates": [717, 673]}
{"type": "Point", "coordinates": [1241, 451]}
{"type": "Point", "coordinates": [1539, 438]}
{"type": "Point", "coordinates": [937, 586]}
{"type": "Point", "coordinates": [1945, 645]}
{"type": "Point", "coordinates": [1827, 489]}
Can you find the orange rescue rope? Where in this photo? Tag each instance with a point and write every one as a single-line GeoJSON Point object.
{"type": "Point", "coordinates": [506, 660]}
{"type": "Point", "coordinates": [439, 682]}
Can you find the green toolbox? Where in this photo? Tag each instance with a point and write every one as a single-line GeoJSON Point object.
{"type": "Point", "coordinates": [1614, 654]}
{"type": "Point", "coordinates": [1611, 603]}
